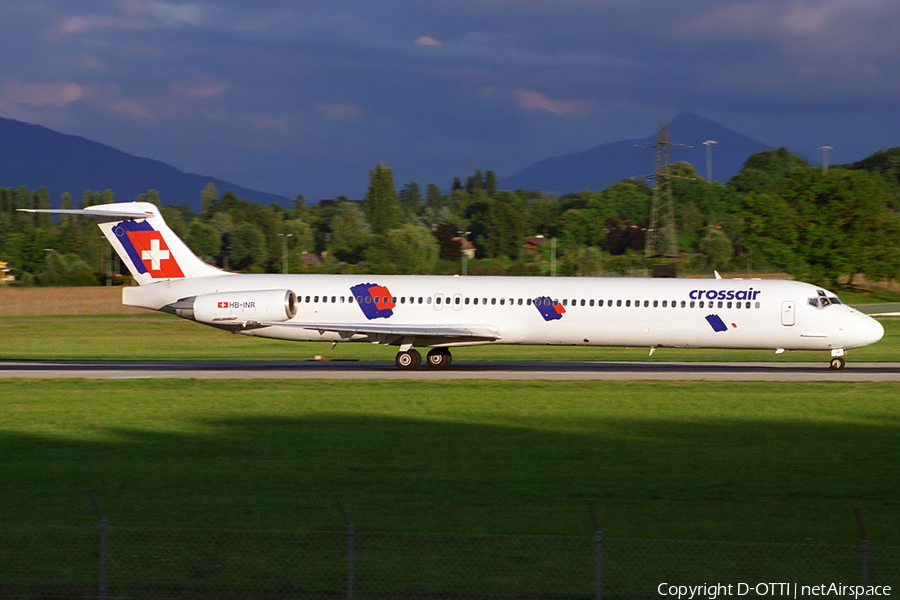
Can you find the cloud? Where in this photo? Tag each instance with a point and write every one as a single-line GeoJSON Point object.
{"type": "Point", "coordinates": [43, 94]}
{"type": "Point", "coordinates": [427, 41]}
{"type": "Point", "coordinates": [531, 100]}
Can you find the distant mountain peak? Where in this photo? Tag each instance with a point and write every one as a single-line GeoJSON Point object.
{"type": "Point", "coordinates": [35, 156]}
{"type": "Point", "coordinates": [604, 165]}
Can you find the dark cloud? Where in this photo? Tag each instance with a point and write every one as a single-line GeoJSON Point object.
{"type": "Point", "coordinates": [305, 97]}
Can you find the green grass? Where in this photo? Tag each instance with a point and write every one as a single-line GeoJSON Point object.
{"type": "Point", "coordinates": [493, 457]}
{"type": "Point", "coordinates": [162, 337]}
{"type": "Point", "coordinates": [233, 489]}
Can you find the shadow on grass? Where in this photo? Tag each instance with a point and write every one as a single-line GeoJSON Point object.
{"type": "Point", "coordinates": [715, 480]}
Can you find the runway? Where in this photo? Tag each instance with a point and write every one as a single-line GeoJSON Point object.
{"type": "Point", "coordinates": [528, 371]}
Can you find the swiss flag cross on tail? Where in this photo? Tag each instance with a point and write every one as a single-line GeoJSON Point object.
{"type": "Point", "coordinates": [155, 254]}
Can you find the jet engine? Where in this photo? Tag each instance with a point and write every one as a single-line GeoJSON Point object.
{"type": "Point", "coordinates": [243, 309]}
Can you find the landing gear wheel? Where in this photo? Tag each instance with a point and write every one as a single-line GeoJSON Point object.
{"type": "Point", "coordinates": [439, 358]}
{"type": "Point", "coordinates": [837, 363]}
{"type": "Point", "coordinates": [409, 360]}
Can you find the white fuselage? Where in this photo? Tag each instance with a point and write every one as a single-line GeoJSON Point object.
{"type": "Point", "coordinates": [701, 313]}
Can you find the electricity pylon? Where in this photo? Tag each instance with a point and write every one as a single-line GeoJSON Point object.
{"type": "Point", "coordinates": [661, 238]}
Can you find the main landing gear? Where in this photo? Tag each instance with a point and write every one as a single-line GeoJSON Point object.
{"type": "Point", "coordinates": [437, 358]}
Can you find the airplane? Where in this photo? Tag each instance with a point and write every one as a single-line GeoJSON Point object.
{"type": "Point", "coordinates": [443, 312]}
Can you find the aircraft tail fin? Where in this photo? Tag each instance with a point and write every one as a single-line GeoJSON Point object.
{"type": "Point", "coordinates": [144, 241]}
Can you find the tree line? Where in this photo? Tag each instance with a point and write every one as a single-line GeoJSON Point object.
{"type": "Point", "coordinates": [777, 213]}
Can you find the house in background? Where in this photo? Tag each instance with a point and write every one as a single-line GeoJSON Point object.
{"type": "Point", "coordinates": [6, 274]}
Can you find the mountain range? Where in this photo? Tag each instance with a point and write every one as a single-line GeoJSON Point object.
{"type": "Point", "coordinates": [602, 166]}
{"type": "Point", "coordinates": [34, 156]}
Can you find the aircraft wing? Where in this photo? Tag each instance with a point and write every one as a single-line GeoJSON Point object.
{"type": "Point", "coordinates": [388, 333]}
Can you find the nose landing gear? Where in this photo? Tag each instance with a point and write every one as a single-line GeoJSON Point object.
{"type": "Point", "coordinates": [837, 359]}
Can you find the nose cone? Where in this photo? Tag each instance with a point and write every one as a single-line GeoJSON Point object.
{"type": "Point", "coordinates": [865, 330]}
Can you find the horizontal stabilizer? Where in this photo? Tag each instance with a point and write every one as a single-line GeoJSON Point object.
{"type": "Point", "coordinates": [100, 211]}
{"type": "Point", "coordinates": [139, 234]}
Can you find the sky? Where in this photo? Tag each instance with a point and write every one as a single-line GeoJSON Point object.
{"type": "Point", "coordinates": [306, 96]}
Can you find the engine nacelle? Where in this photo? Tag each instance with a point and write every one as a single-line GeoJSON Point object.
{"type": "Point", "coordinates": [241, 309]}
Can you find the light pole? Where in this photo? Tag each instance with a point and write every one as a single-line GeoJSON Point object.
{"type": "Point", "coordinates": [284, 238]}
{"type": "Point", "coordinates": [825, 150]}
{"type": "Point", "coordinates": [463, 248]}
{"type": "Point", "coordinates": [709, 145]}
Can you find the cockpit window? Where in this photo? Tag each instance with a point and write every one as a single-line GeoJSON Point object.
{"type": "Point", "coordinates": [821, 300]}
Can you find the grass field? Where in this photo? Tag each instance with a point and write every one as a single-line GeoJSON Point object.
{"type": "Point", "coordinates": [493, 456]}
{"type": "Point", "coordinates": [489, 456]}
{"type": "Point", "coordinates": [730, 461]}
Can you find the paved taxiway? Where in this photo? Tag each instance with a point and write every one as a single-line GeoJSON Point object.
{"type": "Point", "coordinates": [573, 371]}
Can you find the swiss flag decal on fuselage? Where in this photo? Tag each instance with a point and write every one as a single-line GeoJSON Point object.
{"type": "Point", "coordinates": [155, 254]}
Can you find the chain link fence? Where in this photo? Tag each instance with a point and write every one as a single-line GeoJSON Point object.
{"type": "Point", "coordinates": [106, 560]}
